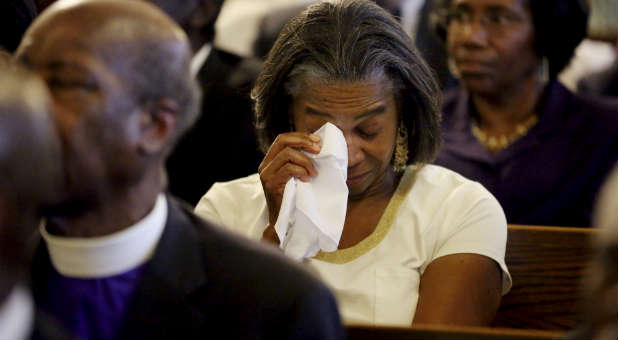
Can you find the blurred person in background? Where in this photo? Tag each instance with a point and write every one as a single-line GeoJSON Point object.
{"type": "Point", "coordinates": [603, 83]}
{"type": "Point", "coordinates": [512, 126]}
{"type": "Point", "coordinates": [30, 178]}
{"type": "Point", "coordinates": [226, 113]}
{"type": "Point", "coordinates": [603, 26]}
{"type": "Point", "coordinates": [599, 304]}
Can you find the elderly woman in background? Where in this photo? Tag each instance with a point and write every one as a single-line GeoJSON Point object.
{"type": "Point", "coordinates": [420, 243]}
{"type": "Point", "coordinates": [540, 149]}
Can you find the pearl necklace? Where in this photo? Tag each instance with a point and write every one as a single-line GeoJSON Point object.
{"type": "Point", "coordinates": [498, 143]}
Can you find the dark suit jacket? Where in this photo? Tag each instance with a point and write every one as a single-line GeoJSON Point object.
{"type": "Point", "coordinates": [47, 328]}
{"type": "Point", "coordinates": [15, 17]}
{"type": "Point", "coordinates": [222, 145]}
{"type": "Point", "coordinates": [203, 282]}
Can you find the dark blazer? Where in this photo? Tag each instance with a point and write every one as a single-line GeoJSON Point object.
{"type": "Point", "coordinates": [203, 282]}
{"type": "Point", "coordinates": [222, 145]}
{"type": "Point", "coordinates": [15, 17]}
{"type": "Point", "coordinates": [47, 328]}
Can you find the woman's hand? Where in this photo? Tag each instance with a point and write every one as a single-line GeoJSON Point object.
{"type": "Point", "coordinates": [283, 161]}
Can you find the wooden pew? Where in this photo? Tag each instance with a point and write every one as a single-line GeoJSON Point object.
{"type": "Point", "coordinates": [546, 264]}
{"type": "Point", "coordinates": [362, 332]}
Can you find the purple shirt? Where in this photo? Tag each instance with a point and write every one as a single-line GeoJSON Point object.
{"type": "Point", "coordinates": [91, 308]}
{"type": "Point", "coordinates": [551, 175]}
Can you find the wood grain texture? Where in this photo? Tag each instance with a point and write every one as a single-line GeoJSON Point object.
{"type": "Point", "coordinates": [546, 264]}
{"type": "Point", "coordinates": [361, 332]}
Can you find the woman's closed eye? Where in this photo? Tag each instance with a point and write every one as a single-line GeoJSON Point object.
{"type": "Point", "coordinates": [368, 133]}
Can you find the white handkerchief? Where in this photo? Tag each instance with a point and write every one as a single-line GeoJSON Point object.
{"type": "Point", "coordinates": [312, 213]}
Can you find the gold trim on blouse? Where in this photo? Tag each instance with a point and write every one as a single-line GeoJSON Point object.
{"type": "Point", "coordinates": [341, 256]}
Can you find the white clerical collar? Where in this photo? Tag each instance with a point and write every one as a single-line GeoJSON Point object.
{"type": "Point", "coordinates": [199, 58]}
{"type": "Point", "coordinates": [98, 257]}
{"type": "Point", "coordinates": [17, 314]}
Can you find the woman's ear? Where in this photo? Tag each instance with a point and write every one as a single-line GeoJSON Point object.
{"type": "Point", "coordinates": [158, 126]}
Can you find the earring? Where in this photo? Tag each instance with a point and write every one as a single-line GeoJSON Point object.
{"type": "Point", "coordinates": [450, 63]}
{"type": "Point", "coordinates": [400, 158]}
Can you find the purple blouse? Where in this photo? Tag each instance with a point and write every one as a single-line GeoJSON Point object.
{"type": "Point", "coordinates": [551, 175]}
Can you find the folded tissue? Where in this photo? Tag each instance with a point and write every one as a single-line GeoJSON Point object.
{"type": "Point", "coordinates": [312, 214]}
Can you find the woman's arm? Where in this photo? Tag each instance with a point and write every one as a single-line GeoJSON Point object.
{"type": "Point", "coordinates": [465, 275]}
{"type": "Point", "coordinates": [459, 289]}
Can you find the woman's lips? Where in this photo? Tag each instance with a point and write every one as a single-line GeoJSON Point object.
{"type": "Point", "coordinates": [352, 180]}
{"type": "Point", "coordinates": [472, 66]}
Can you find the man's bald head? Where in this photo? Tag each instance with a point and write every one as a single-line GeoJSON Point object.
{"type": "Point", "coordinates": [108, 19]}
{"type": "Point", "coordinates": [146, 50]}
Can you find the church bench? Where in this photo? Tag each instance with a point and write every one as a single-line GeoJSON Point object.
{"type": "Point", "coordinates": [547, 265]}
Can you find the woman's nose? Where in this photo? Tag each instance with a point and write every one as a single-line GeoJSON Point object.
{"type": "Point", "coordinates": [473, 33]}
{"type": "Point", "coordinates": [355, 153]}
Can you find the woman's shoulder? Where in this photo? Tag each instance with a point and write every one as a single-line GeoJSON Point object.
{"type": "Point", "coordinates": [241, 192]}
{"type": "Point", "coordinates": [449, 208]}
{"type": "Point", "coordinates": [249, 185]}
{"type": "Point", "coordinates": [442, 180]}
{"type": "Point", "coordinates": [438, 191]}
{"type": "Point", "coordinates": [225, 201]}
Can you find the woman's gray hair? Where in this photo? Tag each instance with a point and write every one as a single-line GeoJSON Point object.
{"type": "Point", "coordinates": [349, 41]}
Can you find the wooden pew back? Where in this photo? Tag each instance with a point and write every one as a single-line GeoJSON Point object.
{"type": "Point", "coordinates": [442, 332]}
{"type": "Point", "coordinates": [546, 264]}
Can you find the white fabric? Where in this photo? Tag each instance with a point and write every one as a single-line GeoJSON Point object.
{"type": "Point", "coordinates": [590, 56]}
{"type": "Point", "coordinates": [442, 214]}
{"type": "Point", "coordinates": [17, 314]}
{"type": "Point", "coordinates": [410, 16]}
{"type": "Point", "coordinates": [239, 20]}
{"type": "Point", "coordinates": [312, 213]}
{"type": "Point", "coordinates": [199, 58]}
{"type": "Point", "coordinates": [98, 257]}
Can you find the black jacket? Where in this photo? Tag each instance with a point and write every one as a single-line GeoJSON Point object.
{"type": "Point", "coordinates": [221, 146]}
{"type": "Point", "coordinates": [204, 282]}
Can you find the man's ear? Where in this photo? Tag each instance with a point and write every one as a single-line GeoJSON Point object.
{"type": "Point", "coordinates": [158, 126]}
